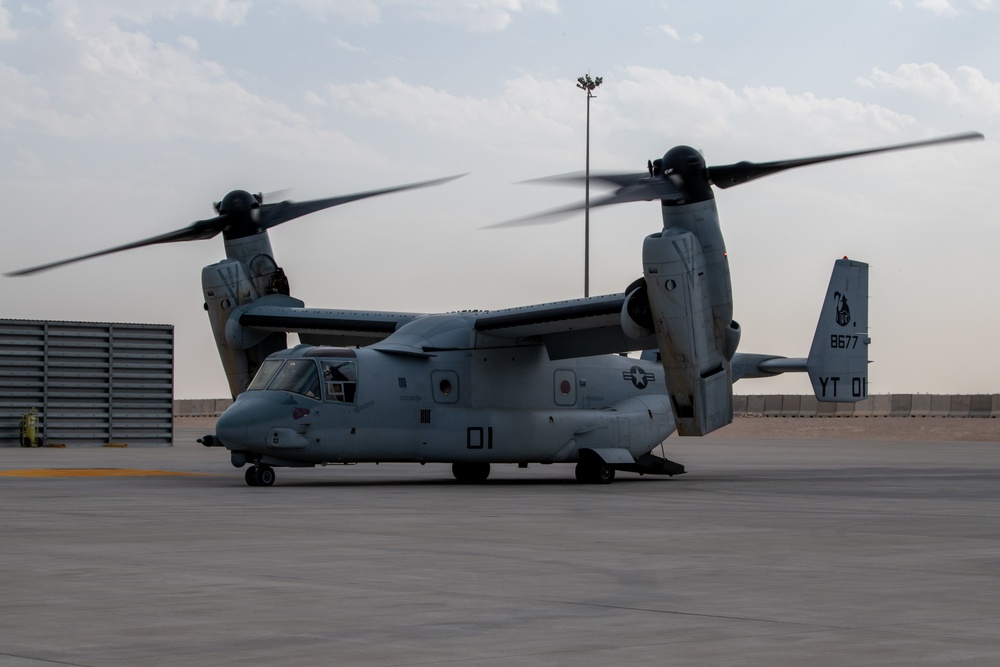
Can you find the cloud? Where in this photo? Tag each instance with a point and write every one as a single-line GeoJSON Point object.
{"type": "Point", "coordinates": [664, 101]}
{"type": "Point", "coordinates": [527, 118]}
{"type": "Point", "coordinates": [825, 116]}
{"type": "Point", "coordinates": [96, 13]}
{"type": "Point", "coordinates": [188, 42]}
{"type": "Point", "coordinates": [939, 7]}
{"type": "Point", "coordinates": [6, 32]}
{"type": "Point", "coordinates": [473, 15]}
{"type": "Point", "coordinates": [345, 46]}
{"type": "Point", "coordinates": [360, 12]}
{"type": "Point", "coordinates": [672, 33]}
{"type": "Point", "coordinates": [542, 119]}
{"type": "Point", "coordinates": [968, 88]}
{"type": "Point", "coordinates": [948, 8]}
{"type": "Point", "coordinates": [122, 84]}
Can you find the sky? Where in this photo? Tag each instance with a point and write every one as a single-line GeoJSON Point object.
{"type": "Point", "coordinates": [125, 119]}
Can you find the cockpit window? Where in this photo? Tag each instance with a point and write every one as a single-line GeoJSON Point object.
{"type": "Point", "coordinates": [298, 376]}
{"type": "Point", "coordinates": [340, 379]}
{"type": "Point", "coordinates": [265, 374]}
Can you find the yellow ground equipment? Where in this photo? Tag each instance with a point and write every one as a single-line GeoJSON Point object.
{"type": "Point", "coordinates": [29, 429]}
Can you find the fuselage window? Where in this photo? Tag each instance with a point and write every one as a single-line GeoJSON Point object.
{"type": "Point", "coordinates": [298, 376]}
{"type": "Point", "coordinates": [340, 378]}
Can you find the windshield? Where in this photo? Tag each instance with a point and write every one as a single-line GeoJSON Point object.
{"type": "Point", "coordinates": [265, 374]}
{"type": "Point", "coordinates": [298, 376]}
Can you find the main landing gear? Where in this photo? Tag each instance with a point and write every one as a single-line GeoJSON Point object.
{"type": "Point", "coordinates": [594, 472]}
{"type": "Point", "coordinates": [470, 473]}
{"type": "Point", "coordinates": [259, 475]}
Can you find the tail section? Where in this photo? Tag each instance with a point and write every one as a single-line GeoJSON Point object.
{"type": "Point", "coordinates": [838, 358]}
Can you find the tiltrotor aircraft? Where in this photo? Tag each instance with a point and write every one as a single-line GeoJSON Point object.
{"type": "Point", "coordinates": [549, 383]}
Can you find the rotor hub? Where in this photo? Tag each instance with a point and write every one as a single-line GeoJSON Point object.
{"type": "Point", "coordinates": [238, 201]}
{"type": "Point", "coordinates": [687, 168]}
{"type": "Point", "coordinates": [239, 208]}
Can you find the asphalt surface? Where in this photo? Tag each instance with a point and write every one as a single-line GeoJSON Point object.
{"type": "Point", "coordinates": [769, 552]}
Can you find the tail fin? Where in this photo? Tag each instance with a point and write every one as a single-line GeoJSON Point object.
{"type": "Point", "coordinates": [838, 359]}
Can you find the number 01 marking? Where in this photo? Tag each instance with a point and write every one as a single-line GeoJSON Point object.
{"type": "Point", "coordinates": [474, 437]}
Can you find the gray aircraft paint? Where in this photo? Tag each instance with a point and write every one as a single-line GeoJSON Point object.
{"type": "Point", "coordinates": [528, 384]}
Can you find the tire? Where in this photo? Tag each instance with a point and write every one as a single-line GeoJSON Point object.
{"type": "Point", "coordinates": [604, 474]}
{"type": "Point", "coordinates": [265, 476]}
{"type": "Point", "coordinates": [591, 472]}
{"type": "Point", "coordinates": [251, 476]}
{"type": "Point", "coordinates": [470, 473]}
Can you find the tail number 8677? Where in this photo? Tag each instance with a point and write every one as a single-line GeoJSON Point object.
{"type": "Point", "coordinates": [843, 341]}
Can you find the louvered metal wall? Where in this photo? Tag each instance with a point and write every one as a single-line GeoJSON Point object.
{"type": "Point", "coordinates": [92, 383]}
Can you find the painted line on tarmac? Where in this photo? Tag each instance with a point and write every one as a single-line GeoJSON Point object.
{"type": "Point", "coordinates": [99, 472]}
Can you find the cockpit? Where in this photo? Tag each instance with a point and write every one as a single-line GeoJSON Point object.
{"type": "Point", "coordinates": [320, 373]}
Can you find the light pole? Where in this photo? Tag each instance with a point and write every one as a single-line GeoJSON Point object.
{"type": "Point", "coordinates": [588, 84]}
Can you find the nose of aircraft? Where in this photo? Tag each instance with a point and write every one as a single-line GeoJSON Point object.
{"type": "Point", "coordinates": [231, 428]}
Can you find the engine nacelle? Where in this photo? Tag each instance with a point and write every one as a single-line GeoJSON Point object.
{"type": "Point", "coordinates": [691, 311]}
{"type": "Point", "coordinates": [636, 316]}
{"type": "Point", "coordinates": [732, 339]}
{"type": "Point", "coordinates": [227, 286]}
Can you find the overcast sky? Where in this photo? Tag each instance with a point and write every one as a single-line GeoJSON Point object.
{"type": "Point", "coordinates": [124, 119]}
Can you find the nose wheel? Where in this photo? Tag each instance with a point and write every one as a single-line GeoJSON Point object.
{"type": "Point", "coordinates": [259, 475]}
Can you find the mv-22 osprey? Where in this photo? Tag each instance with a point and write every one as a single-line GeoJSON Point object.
{"type": "Point", "coordinates": [549, 383]}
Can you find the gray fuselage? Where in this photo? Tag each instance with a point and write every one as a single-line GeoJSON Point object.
{"type": "Point", "coordinates": [315, 405]}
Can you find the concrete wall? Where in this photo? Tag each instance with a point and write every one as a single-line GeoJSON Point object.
{"type": "Point", "coordinates": [881, 405]}
{"type": "Point", "coordinates": [773, 405]}
{"type": "Point", "coordinates": [201, 407]}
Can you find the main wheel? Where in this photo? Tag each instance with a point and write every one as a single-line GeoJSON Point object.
{"type": "Point", "coordinates": [251, 476]}
{"type": "Point", "coordinates": [265, 475]}
{"type": "Point", "coordinates": [591, 472]}
{"type": "Point", "coordinates": [470, 473]}
{"type": "Point", "coordinates": [604, 474]}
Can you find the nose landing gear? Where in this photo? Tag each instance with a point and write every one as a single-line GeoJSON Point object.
{"type": "Point", "coordinates": [259, 475]}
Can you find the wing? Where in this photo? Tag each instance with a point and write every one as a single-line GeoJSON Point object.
{"type": "Point", "coordinates": [322, 326]}
{"type": "Point", "coordinates": [575, 328]}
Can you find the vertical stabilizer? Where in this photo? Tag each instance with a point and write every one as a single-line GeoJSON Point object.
{"type": "Point", "coordinates": [838, 359]}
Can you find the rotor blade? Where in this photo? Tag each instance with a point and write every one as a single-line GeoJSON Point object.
{"type": "Point", "coordinates": [553, 215]}
{"type": "Point", "coordinates": [276, 194]}
{"type": "Point", "coordinates": [203, 229]}
{"type": "Point", "coordinates": [726, 176]}
{"type": "Point", "coordinates": [650, 189]}
{"type": "Point", "coordinates": [272, 215]}
{"type": "Point", "coordinates": [620, 180]}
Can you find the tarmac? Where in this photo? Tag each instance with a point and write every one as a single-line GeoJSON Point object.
{"type": "Point", "coordinates": [774, 549]}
